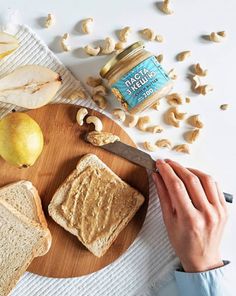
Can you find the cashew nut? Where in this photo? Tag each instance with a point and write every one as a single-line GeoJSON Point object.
{"type": "Point", "coordinates": [100, 101]}
{"type": "Point", "coordinates": [124, 34]}
{"type": "Point", "coordinates": [119, 45]}
{"type": "Point", "coordinates": [164, 143]}
{"type": "Point", "coordinates": [199, 70]}
{"type": "Point", "coordinates": [160, 58]}
{"type": "Point", "coordinates": [173, 116]}
{"type": "Point", "coordinates": [187, 100]}
{"type": "Point", "coordinates": [148, 34]}
{"type": "Point", "coordinates": [143, 122]}
{"type": "Point", "coordinates": [182, 148]}
{"type": "Point", "coordinates": [93, 51]}
{"type": "Point", "coordinates": [93, 81]}
{"type": "Point", "coordinates": [156, 105]}
{"type": "Point", "coordinates": [191, 136]}
{"type": "Point", "coordinates": [64, 43]}
{"type": "Point", "coordinates": [174, 99]}
{"type": "Point", "coordinates": [87, 25]}
{"type": "Point", "coordinates": [50, 20]}
{"type": "Point", "coordinates": [101, 138]}
{"type": "Point", "coordinates": [100, 90]}
{"type": "Point", "coordinates": [204, 89]}
{"type": "Point", "coordinates": [224, 107]}
{"type": "Point", "coordinates": [172, 74]}
{"type": "Point", "coordinates": [183, 55]}
{"type": "Point", "coordinates": [109, 45]}
{"type": "Point", "coordinates": [195, 121]}
{"type": "Point", "coordinates": [216, 37]}
{"type": "Point", "coordinates": [82, 112]}
{"type": "Point", "coordinates": [155, 129]}
{"type": "Point", "coordinates": [96, 121]}
{"type": "Point", "coordinates": [149, 146]}
{"type": "Point", "coordinates": [119, 114]}
{"type": "Point", "coordinates": [77, 94]}
{"type": "Point", "coordinates": [132, 120]}
{"type": "Point", "coordinates": [165, 7]}
{"type": "Point", "coordinates": [159, 38]}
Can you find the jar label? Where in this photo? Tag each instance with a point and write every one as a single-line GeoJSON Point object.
{"type": "Point", "coordinates": [140, 82]}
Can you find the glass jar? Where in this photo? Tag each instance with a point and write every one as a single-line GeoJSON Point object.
{"type": "Point", "coordinates": [136, 78]}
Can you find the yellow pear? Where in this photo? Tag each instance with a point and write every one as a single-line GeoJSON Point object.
{"type": "Point", "coordinates": [8, 44]}
{"type": "Point", "coordinates": [21, 139]}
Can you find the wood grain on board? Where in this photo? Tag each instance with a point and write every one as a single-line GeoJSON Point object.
{"type": "Point", "coordinates": [64, 145]}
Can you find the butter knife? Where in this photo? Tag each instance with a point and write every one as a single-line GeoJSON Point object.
{"type": "Point", "coordinates": [140, 158]}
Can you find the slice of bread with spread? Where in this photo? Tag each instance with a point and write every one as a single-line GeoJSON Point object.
{"type": "Point", "coordinates": [94, 204]}
{"type": "Point", "coordinates": [21, 241]}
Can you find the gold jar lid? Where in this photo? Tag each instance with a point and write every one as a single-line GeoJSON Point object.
{"type": "Point", "coordinates": [111, 63]}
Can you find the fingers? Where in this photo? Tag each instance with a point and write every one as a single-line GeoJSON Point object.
{"type": "Point", "coordinates": [221, 196]}
{"type": "Point", "coordinates": [209, 186]}
{"type": "Point", "coordinates": [192, 184]}
{"type": "Point", "coordinates": [164, 197]}
{"type": "Point", "coordinates": [176, 189]}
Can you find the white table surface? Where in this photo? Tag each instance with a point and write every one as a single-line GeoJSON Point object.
{"type": "Point", "coordinates": [215, 152]}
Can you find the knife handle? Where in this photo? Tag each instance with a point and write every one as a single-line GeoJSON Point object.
{"type": "Point", "coordinates": [228, 197]}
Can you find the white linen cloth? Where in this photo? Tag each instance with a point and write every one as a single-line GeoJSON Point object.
{"type": "Point", "coordinates": [150, 260]}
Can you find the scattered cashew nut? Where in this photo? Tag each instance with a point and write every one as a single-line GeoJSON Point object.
{"type": "Point", "coordinates": [100, 101]}
{"type": "Point", "coordinates": [50, 20]}
{"type": "Point", "coordinates": [191, 136]}
{"type": "Point", "coordinates": [165, 7]}
{"type": "Point", "coordinates": [183, 55]}
{"type": "Point", "coordinates": [156, 105]}
{"type": "Point", "coordinates": [93, 81]}
{"type": "Point", "coordinates": [77, 94]}
{"type": "Point", "coordinates": [217, 36]}
{"type": "Point", "coordinates": [149, 146]}
{"type": "Point", "coordinates": [93, 51]}
{"type": "Point", "coordinates": [148, 34]}
{"type": "Point", "coordinates": [164, 143]}
{"type": "Point", "coordinates": [82, 112]}
{"type": "Point", "coordinates": [124, 34]}
{"type": "Point", "coordinates": [109, 45]}
{"type": "Point", "coordinates": [196, 82]}
{"type": "Point", "coordinates": [172, 74]}
{"type": "Point", "coordinates": [100, 90]}
{"type": "Point", "coordinates": [195, 121]}
{"type": "Point", "coordinates": [187, 100]}
{"type": "Point", "coordinates": [174, 99]}
{"type": "Point", "coordinates": [119, 114]}
{"type": "Point", "coordinates": [199, 70]}
{"type": "Point", "coordinates": [182, 148]}
{"type": "Point", "coordinates": [204, 89]}
{"type": "Point", "coordinates": [173, 116]}
{"type": "Point", "coordinates": [143, 122]}
{"type": "Point", "coordinates": [224, 107]}
{"type": "Point", "coordinates": [87, 25]}
{"type": "Point", "coordinates": [96, 121]}
{"type": "Point", "coordinates": [159, 38]}
{"type": "Point", "coordinates": [64, 43]}
{"type": "Point", "coordinates": [132, 120]}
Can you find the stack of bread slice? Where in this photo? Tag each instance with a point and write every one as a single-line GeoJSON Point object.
{"type": "Point", "coordinates": [24, 234]}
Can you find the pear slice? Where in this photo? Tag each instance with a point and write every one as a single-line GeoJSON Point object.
{"type": "Point", "coordinates": [8, 44]}
{"type": "Point", "coordinates": [30, 86]}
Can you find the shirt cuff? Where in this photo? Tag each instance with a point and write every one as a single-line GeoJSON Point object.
{"type": "Point", "coordinates": [202, 283]}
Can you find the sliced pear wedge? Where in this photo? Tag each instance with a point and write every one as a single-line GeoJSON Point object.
{"type": "Point", "coordinates": [30, 86]}
{"type": "Point", "coordinates": [8, 44]}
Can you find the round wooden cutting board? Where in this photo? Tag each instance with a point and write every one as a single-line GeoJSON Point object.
{"type": "Point", "coordinates": [64, 145]}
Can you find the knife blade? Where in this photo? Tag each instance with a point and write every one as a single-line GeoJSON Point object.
{"type": "Point", "coordinates": [140, 158]}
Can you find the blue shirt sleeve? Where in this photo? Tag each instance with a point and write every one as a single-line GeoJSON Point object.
{"type": "Point", "coordinates": [210, 283]}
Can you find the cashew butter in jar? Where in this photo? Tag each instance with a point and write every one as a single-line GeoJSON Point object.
{"type": "Point", "coordinates": [136, 78]}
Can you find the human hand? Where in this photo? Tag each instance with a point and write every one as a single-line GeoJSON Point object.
{"type": "Point", "coordinates": [194, 212]}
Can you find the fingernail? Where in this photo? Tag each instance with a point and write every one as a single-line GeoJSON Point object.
{"type": "Point", "coordinates": [160, 161]}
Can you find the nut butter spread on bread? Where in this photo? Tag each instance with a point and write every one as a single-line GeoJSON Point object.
{"type": "Point", "coordinates": [94, 204]}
